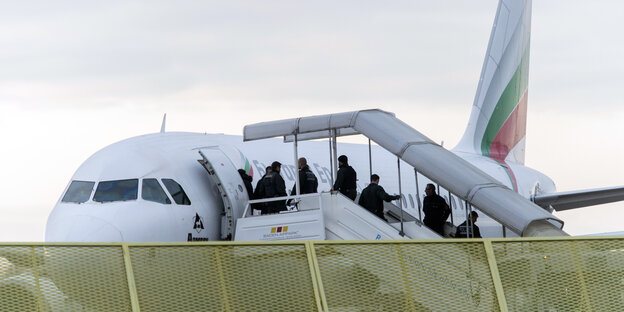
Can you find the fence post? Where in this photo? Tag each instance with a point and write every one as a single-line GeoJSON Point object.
{"type": "Point", "coordinates": [498, 285]}
{"type": "Point", "coordinates": [224, 294]}
{"type": "Point", "coordinates": [317, 282]}
{"type": "Point", "coordinates": [579, 274]}
{"type": "Point", "coordinates": [406, 282]}
{"type": "Point", "coordinates": [36, 266]}
{"type": "Point", "coordinates": [134, 298]}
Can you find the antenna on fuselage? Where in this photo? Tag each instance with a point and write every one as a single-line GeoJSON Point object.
{"type": "Point", "coordinates": [162, 127]}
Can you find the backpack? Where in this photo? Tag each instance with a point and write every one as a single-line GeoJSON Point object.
{"type": "Point", "coordinates": [309, 184]}
{"type": "Point", "coordinates": [269, 185]}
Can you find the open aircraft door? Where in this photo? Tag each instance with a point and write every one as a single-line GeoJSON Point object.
{"type": "Point", "coordinates": [230, 185]}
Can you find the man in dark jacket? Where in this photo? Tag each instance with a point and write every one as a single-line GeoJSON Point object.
{"type": "Point", "coordinates": [373, 195]}
{"type": "Point", "coordinates": [247, 181]}
{"type": "Point", "coordinates": [273, 186]}
{"type": "Point", "coordinates": [436, 210]}
{"type": "Point", "coordinates": [466, 231]}
{"type": "Point", "coordinates": [307, 179]}
{"type": "Point", "coordinates": [345, 178]}
{"type": "Point", "coordinates": [259, 192]}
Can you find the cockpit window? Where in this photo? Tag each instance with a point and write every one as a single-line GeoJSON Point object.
{"type": "Point", "coordinates": [152, 191]}
{"type": "Point", "coordinates": [120, 190]}
{"type": "Point", "coordinates": [78, 192]}
{"type": "Point", "coordinates": [176, 191]}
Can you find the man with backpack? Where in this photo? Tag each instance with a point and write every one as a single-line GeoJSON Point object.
{"type": "Point", "coordinates": [273, 186]}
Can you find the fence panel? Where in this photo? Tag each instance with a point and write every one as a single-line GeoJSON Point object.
{"type": "Point", "coordinates": [431, 276]}
{"type": "Point", "coordinates": [265, 277]}
{"type": "Point", "coordinates": [562, 275]}
{"type": "Point", "coordinates": [47, 277]}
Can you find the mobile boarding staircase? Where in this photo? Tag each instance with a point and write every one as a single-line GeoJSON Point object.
{"type": "Point", "coordinates": [323, 216]}
{"type": "Point", "coordinates": [333, 216]}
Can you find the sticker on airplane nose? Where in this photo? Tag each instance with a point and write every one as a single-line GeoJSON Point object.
{"type": "Point", "coordinates": [198, 223]}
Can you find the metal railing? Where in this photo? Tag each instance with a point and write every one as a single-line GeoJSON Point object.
{"type": "Point", "coordinates": [536, 274]}
{"type": "Point", "coordinates": [293, 207]}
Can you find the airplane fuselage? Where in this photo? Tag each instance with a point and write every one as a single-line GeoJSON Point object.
{"type": "Point", "coordinates": [159, 158]}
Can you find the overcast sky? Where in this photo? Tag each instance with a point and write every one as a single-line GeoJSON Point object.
{"type": "Point", "coordinates": [76, 76]}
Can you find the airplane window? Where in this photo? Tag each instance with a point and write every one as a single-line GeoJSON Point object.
{"type": "Point", "coordinates": [109, 191]}
{"type": "Point", "coordinates": [152, 191]}
{"type": "Point", "coordinates": [176, 191]}
{"type": "Point", "coordinates": [78, 192]}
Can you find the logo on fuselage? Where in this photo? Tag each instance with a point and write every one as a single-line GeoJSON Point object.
{"type": "Point", "coordinates": [198, 223]}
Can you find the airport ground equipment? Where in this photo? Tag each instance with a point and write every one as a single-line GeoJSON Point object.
{"type": "Point", "coordinates": [321, 216]}
{"type": "Point", "coordinates": [476, 187]}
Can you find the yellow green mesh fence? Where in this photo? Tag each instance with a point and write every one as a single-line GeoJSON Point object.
{"type": "Point", "coordinates": [51, 278]}
{"type": "Point", "coordinates": [223, 278]}
{"type": "Point", "coordinates": [562, 275]}
{"type": "Point", "coordinates": [568, 274]}
{"type": "Point", "coordinates": [406, 277]}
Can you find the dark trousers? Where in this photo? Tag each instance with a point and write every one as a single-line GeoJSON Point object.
{"type": "Point", "coordinates": [350, 193]}
{"type": "Point", "coordinates": [435, 226]}
{"type": "Point", "coordinates": [274, 207]}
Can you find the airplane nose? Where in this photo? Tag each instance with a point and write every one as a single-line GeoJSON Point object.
{"type": "Point", "coordinates": [84, 229]}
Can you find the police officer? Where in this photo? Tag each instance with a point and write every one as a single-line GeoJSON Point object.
{"type": "Point", "coordinates": [345, 178]}
{"type": "Point", "coordinates": [373, 195]}
{"type": "Point", "coordinates": [307, 179]}
{"type": "Point", "coordinates": [259, 192]}
{"type": "Point", "coordinates": [466, 231]}
{"type": "Point", "coordinates": [436, 210]}
{"type": "Point", "coordinates": [273, 186]}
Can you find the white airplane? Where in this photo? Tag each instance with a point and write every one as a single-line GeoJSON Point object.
{"type": "Point", "coordinates": [155, 187]}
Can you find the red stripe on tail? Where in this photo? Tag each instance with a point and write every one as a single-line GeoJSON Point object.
{"type": "Point", "coordinates": [512, 131]}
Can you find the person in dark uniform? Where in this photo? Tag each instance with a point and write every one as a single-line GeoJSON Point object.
{"type": "Point", "coordinates": [466, 231]}
{"type": "Point", "coordinates": [345, 178]}
{"type": "Point", "coordinates": [247, 181]}
{"type": "Point", "coordinates": [307, 179]}
{"type": "Point", "coordinates": [373, 195]}
{"type": "Point", "coordinates": [273, 186]}
{"type": "Point", "coordinates": [436, 210]}
{"type": "Point", "coordinates": [259, 192]}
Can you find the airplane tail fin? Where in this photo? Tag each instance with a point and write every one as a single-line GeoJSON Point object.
{"type": "Point", "coordinates": [497, 126]}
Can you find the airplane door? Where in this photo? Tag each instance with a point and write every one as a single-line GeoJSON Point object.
{"type": "Point", "coordinates": [230, 185]}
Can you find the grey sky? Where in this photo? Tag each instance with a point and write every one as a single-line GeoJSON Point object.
{"type": "Point", "coordinates": [76, 76]}
{"type": "Point", "coordinates": [117, 52]}
{"type": "Point", "coordinates": [280, 51]}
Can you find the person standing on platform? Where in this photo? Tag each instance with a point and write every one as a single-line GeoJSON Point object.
{"type": "Point", "coordinates": [373, 196]}
{"type": "Point", "coordinates": [273, 186]}
{"type": "Point", "coordinates": [436, 210]}
{"type": "Point", "coordinates": [345, 178]}
{"type": "Point", "coordinates": [247, 181]}
{"type": "Point", "coordinates": [307, 179]}
{"type": "Point", "coordinates": [465, 231]}
{"type": "Point", "coordinates": [259, 191]}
